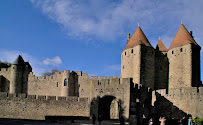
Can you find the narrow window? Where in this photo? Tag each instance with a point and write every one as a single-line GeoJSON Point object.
{"type": "Point", "coordinates": [123, 67]}
{"type": "Point", "coordinates": [132, 51]}
{"type": "Point", "coordinates": [65, 82]}
{"type": "Point", "coordinates": [57, 84]}
{"type": "Point", "coordinates": [125, 53]}
{"type": "Point", "coordinates": [172, 52]}
{"type": "Point", "coordinates": [181, 49]}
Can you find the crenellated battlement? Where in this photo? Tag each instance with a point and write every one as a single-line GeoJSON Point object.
{"type": "Point", "coordinates": [14, 96]}
{"type": "Point", "coordinates": [190, 91]}
{"type": "Point", "coordinates": [113, 83]}
{"type": "Point", "coordinates": [5, 69]}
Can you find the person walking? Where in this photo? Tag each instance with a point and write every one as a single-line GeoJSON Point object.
{"type": "Point", "coordinates": [190, 121]}
{"type": "Point", "coordinates": [100, 119]}
{"type": "Point", "coordinates": [151, 121]}
{"type": "Point", "coordinates": [93, 119]}
{"type": "Point", "coordinates": [162, 120]}
{"type": "Point", "coordinates": [182, 121]}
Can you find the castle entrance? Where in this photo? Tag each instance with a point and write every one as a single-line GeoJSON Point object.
{"type": "Point", "coordinates": [108, 108]}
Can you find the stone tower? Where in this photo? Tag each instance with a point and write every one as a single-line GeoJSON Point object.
{"type": "Point", "coordinates": [161, 66]}
{"type": "Point", "coordinates": [64, 88]}
{"type": "Point", "coordinates": [138, 60]}
{"type": "Point", "coordinates": [19, 76]}
{"type": "Point", "coordinates": [184, 60]}
{"type": "Point", "coordinates": [70, 85]}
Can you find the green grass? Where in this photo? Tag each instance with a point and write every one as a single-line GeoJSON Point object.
{"type": "Point", "coordinates": [198, 121]}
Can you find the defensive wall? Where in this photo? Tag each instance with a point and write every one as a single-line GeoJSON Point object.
{"type": "Point", "coordinates": [24, 106]}
{"type": "Point", "coordinates": [117, 88]}
{"type": "Point", "coordinates": [5, 78]}
{"type": "Point", "coordinates": [55, 85]}
{"type": "Point", "coordinates": [179, 102]}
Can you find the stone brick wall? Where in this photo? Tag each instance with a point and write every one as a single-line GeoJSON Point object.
{"type": "Point", "coordinates": [179, 102]}
{"type": "Point", "coordinates": [127, 61]}
{"type": "Point", "coordinates": [5, 78]}
{"type": "Point", "coordinates": [196, 66]}
{"type": "Point", "coordinates": [55, 85]}
{"type": "Point", "coordinates": [45, 85]}
{"type": "Point", "coordinates": [180, 66]}
{"type": "Point", "coordinates": [116, 87]}
{"type": "Point", "coordinates": [147, 66]}
{"type": "Point", "coordinates": [84, 85]}
{"type": "Point", "coordinates": [37, 107]}
{"type": "Point", "coordinates": [138, 63]}
{"type": "Point", "coordinates": [161, 70]}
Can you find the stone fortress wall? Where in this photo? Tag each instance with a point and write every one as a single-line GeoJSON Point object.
{"type": "Point", "coordinates": [117, 88]}
{"type": "Point", "coordinates": [25, 106]}
{"type": "Point", "coordinates": [187, 99]}
{"type": "Point", "coordinates": [57, 85]}
{"type": "Point", "coordinates": [48, 91]}
{"type": "Point", "coordinates": [5, 78]}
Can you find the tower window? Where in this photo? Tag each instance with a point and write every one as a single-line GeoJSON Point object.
{"type": "Point", "coordinates": [57, 84]}
{"type": "Point", "coordinates": [123, 67]}
{"type": "Point", "coordinates": [172, 52]}
{"type": "Point", "coordinates": [181, 49]}
{"type": "Point", "coordinates": [132, 51]}
{"type": "Point", "coordinates": [65, 82]}
{"type": "Point", "coordinates": [125, 53]}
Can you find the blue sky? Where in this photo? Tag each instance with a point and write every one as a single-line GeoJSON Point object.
{"type": "Point", "coordinates": [88, 35]}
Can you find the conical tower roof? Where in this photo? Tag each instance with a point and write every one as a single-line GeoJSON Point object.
{"type": "Point", "coordinates": [161, 45]}
{"type": "Point", "coordinates": [19, 61]}
{"type": "Point", "coordinates": [138, 38]}
{"type": "Point", "coordinates": [182, 37]}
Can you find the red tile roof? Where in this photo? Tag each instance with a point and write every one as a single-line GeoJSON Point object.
{"type": "Point", "coordinates": [161, 46]}
{"type": "Point", "coordinates": [138, 38]}
{"type": "Point", "coordinates": [182, 37]}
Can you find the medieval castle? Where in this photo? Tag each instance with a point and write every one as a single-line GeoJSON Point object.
{"type": "Point", "coordinates": [153, 82]}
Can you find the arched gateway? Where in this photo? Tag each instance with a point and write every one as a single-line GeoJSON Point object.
{"type": "Point", "coordinates": [110, 98]}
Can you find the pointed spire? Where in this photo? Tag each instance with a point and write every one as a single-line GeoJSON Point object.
{"type": "Point", "coordinates": [19, 61]}
{"type": "Point", "coordinates": [181, 21]}
{"type": "Point", "coordinates": [138, 24]}
{"type": "Point", "coordinates": [160, 45]}
{"type": "Point", "coordinates": [128, 36]}
{"type": "Point", "coordinates": [138, 38]}
{"type": "Point", "coordinates": [182, 37]}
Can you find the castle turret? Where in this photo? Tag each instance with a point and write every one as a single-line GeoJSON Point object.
{"type": "Point", "coordinates": [138, 60]}
{"type": "Point", "coordinates": [19, 76]}
{"type": "Point", "coordinates": [184, 60]}
{"type": "Point", "coordinates": [160, 46]}
{"type": "Point", "coordinates": [64, 88]}
{"type": "Point", "coordinates": [70, 85]}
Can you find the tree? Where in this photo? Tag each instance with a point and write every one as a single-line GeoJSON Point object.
{"type": "Point", "coordinates": [50, 73]}
{"type": "Point", "coordinates": [4, 64]}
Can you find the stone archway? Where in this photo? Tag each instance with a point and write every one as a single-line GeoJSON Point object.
{"type": "Point", "coordinates": [108, 108]}
{"type": "Point", "coordinates": [114, 109]}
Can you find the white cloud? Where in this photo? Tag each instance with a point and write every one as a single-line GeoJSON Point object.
{"type": "Point", "coordinates": [114, 67]}
{"type": "Point", "coordinates": [108, 20]}
{"type": "Point", "coordinates": [54, 61]}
